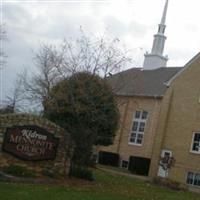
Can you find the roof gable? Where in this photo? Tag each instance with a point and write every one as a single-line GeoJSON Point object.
{"type": "Point", "coordinates": [138, 82]}
{"type": "Point", "coordinates": [188, 64]}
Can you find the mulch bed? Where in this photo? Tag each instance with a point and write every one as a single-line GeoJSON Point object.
{"type": "Point", "coordinates": [68, 181]}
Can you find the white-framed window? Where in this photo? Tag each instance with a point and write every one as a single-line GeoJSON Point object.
{"type": "Point", "coordinates": [193, 179]}
{"type": "Point", "coordinates": [166, 153]}
{"type": "Point", "coordinates": [195, 147]}
{"type": "Point", "coordinates": [124, 164]}
{"type": "Point", "coordinates": [138, 127]}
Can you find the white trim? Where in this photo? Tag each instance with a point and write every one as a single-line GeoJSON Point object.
{"type": "Point", "coordinates": [124, 167]}
{"type": "Point", "coordinates": [139, 120]}
{"type": "Point", "coordinates": [195, 152]}
{"type": "Point", "coordinates": [166, 151]}
{"type": "Point", "coordinates": [192, 185]}
{"type": "Point", "coordinates": [182, 70]}
{"type": "Point", "coordinates": [134, 144]}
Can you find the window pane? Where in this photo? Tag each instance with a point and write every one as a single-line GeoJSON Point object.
{"type": "Point", "coordinates": [139, 141]}
{"type": "Point", "coordinates": [124, 164]}
{"type": "Point", "coordinates": [133, 137]}
{"type": "Point", "coordinates": [139, 138]}
{"type": "Point", "coordinates": [197, 137]}
{"type": "Point", "coordinates": [132, 140]}
{"type": "Point", "coordinates": [137, 114]}
{"type": "Point", "coordinates": [167, 154]}
{"type": "Point", "coordinates": [135, 126]}
{"type": "Point", "coordinates": [195, 146]}
{"type": "Point", "coordinates": [144, 114]}
{"type": "Point", "coordinates": [142, 125]}
{"type": "Point", "coordinates": [197, 179]}
{"type": "Point", "coordinates": [196, 142]}
{"type": "Point", "coordinates": [190, 178]}
{"type": "Point", "coordinates": [133, 134]}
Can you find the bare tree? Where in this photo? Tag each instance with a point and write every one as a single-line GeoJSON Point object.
{"type": "Point", "coordinates": [37, 87]}
{"type": "Point", "coordinates": [102, 56]}
{"type": "Point", "coordinates": [15, 100]}
{"type": "Point", "coordinates": [99, 56]}
{"type": "Point", "coordinates": [2, 39]}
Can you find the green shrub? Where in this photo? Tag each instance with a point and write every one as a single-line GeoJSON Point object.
{"type": "Point", "coordinates": [81, 172]}
{"type": "Point", "coordinates": [20, 171]}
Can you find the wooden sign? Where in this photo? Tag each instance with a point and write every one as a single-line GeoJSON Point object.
{"type": "Point", "coordinates": [30, 143]}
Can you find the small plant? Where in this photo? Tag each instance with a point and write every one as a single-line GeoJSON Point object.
{"type": "Point", "coordinates": [20, 171]}
{"type": "Point", "coordinates": [81, 172]}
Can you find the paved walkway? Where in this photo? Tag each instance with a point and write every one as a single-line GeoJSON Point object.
{"type": "Point", "coordinates": [123, 173]}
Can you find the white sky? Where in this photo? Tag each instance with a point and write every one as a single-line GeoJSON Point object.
{"type": "Point", "coordinates": [134, 22]}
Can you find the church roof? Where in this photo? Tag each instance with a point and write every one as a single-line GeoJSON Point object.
{"type": "Point", "coordinates": [138, 82]}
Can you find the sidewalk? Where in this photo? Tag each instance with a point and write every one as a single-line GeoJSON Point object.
{"type": "Point", "coordinates": [104, 168]}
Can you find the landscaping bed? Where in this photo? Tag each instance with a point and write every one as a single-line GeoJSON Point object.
{"type": "Point", "coordinates": [106, 186]}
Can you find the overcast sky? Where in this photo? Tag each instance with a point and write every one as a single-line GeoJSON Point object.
{"type": "Point", "coordinates": [29, 23]}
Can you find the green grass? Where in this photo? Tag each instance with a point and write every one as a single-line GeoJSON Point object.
{"type": "Point", "coordinates": [106, 187]}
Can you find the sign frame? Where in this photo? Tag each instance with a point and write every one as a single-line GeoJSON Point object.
{"type": "Point", "coordinates": [40, 132]}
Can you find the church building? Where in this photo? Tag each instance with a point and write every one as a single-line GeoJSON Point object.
{"type": "Point", "coordinates": [159, 133]}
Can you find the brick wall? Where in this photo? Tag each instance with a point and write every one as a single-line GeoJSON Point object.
{"type": "Point", "coordinates": [183, 121]}
{"type": "Point", "coordinates": [127, 107]}
{"type": "Point", "coordinates": [179, 119]}
{"type": "Point", "coordinates": [62, 160]}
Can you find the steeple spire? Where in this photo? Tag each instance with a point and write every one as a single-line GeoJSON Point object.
{"type": "Point", "coordinates": [164, 13]}
{"type": "Point", "coordinates": [155, 59]}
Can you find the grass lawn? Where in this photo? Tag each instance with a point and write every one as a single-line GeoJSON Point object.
{"type": "Point", "coordinates": [106, 187]}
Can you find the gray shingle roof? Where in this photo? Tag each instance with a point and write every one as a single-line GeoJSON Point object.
{"type": "Point", "coordinates": [137, 82]}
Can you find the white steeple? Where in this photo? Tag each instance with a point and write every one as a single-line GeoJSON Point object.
{"type": "Point", "coordinates": [155, 59]}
